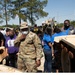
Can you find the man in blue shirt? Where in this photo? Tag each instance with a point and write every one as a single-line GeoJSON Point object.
{"type": "Point", "coordinates": [69, 29]}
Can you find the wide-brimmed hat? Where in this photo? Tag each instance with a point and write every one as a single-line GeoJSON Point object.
{"type": "Point", "coordinates": [24, 25]}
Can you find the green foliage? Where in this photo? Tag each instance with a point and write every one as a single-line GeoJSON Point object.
{"type": "Point", "coordinates": [12, 26]}
{"type": "Point", "coordinates": [4, 10]}
{"type": "Point", "coordinates": [60, 25]}
{"type": "Point", "coordinates": [73, 23]}
{"type": "Point", "coordinates": [28, 9]}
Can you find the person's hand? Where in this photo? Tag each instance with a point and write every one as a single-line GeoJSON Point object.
{"type": "Point", "coordinates": [38, 63]}
{"type": "Point", "coordinates": [17, 54]}
{"type": "Point", "coordinates": [53, 56]}
{"type": "Point", "coordinates": [22, 37]}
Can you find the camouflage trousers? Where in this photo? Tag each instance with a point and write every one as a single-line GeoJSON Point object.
{"type": "Point", "coordinates": [26, 65]}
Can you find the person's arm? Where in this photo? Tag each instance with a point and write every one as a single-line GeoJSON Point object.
{"type": "Point", "coordinates": [51, 48]}
{"type": "Point", "coordinates": [39, 50]}
{"type": "Point", "coordinates": [6, 51]}
{"type": "Point", "coordinates": [2, 42]}
{"type": "Point", "coordinates": [17, 40]}
{"type": "Point", "coordinates": [50, 41]}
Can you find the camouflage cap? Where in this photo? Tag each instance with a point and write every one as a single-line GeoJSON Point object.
{"type": "Point", "coordinates": [24, 25]}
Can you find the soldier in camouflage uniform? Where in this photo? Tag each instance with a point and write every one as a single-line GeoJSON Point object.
{"type": "Point", "coordinates": [30, 49]}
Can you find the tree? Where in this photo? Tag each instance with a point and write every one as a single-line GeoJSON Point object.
{"type": "Point", "coordinates": [17, 6]}
{"type": "Point", "coordinates": [73, 23]}
{"type": "Point", "coordinates": [29, 9]}
{"type": "Point", "coordinates": [1, 18]}
{"type": "Point", "coordinates": [4, 10]}
{"type": "Point", "coordinates": [35, 10]}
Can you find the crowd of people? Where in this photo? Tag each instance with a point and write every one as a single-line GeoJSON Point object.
{"type": "Point", "coordinates": [25, 50]}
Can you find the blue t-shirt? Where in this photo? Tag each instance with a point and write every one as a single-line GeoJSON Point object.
{"type": "Point", "coordinates": [67, 31]}
{"type": "Point", "coordinates": [53, 36]}
{"type": "Point", "coordinates": [46, 40]}
{"type": "Point", "coordinates": [58, 34]}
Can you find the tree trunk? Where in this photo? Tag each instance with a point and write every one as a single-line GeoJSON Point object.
{"type": "Point", "coordinates": [6, 13]}
{"type": "Point", "coordinates": [19, 12]}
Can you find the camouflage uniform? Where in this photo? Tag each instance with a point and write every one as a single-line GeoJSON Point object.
{"type": "Point", "coordinates": [30, 50]}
